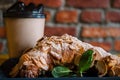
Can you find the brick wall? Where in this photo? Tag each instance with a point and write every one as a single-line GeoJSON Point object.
{"type": "Point", "coordinates": [93, 21]}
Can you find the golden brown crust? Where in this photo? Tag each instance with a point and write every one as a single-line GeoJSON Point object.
{"type": "Point", "coordinates": [111, 65]}
{"type": "Point", "coordinates": [51, 51]}
{"type": "Point", "coordinates": [29, 70]}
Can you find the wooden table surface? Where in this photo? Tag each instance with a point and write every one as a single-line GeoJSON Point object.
{"type": "Point", "coordinates": [3, 57]}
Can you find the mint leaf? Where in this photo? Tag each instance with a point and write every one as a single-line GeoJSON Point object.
{"type": "Point", "coordinates": [60, 71]}
{"type": "Point", "coordinates": [85, 61]}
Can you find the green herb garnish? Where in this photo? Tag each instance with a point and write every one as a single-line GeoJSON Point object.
{"type": "Point", "coordinates": [84, 64]}
{"type": "Point", "coordinates": [85, 61]}
{"type": "Point", "coordinates": [60, 71]}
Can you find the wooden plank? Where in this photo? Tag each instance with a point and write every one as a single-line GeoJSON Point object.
{"type": "Point", "coordinates": [3, 57]}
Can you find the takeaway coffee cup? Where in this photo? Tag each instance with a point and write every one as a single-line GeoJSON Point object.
{"type": "Point", "coordinates": [24, 26]}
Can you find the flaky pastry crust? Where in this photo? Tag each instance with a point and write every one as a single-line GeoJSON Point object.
{"type": "Point", "coordinates": [52, 51]}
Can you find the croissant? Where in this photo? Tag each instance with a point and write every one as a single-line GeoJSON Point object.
{"type": "Point", "coordinates": [52, 51]}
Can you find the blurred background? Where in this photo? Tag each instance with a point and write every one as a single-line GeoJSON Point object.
{"type": "Point", "coordinates": [93, 21]}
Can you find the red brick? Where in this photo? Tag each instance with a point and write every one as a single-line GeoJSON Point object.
{"type": "Point", "coordinates": [2, 32]}
{"type": "Point", "coordinates": [37, 2]}
{"type": "Point", "coordinates": [48, 15]}
{"type": "Point", "coordinates": [58, 31]}
{"type": "Point", "coordinates": [117, 45]}
{"type": "Point", "coordinates": [88, 3]}
{"type": "Point", "coordinates": [116, 3]}
{"type": "Point", "coordinates": [48, 3]}
{"type": "Point", "coordinates": [93, 32]}
{"type": "Point", "coordinates": [113, 31]}
{"type": "Point", "coordinates": [1, 46]}
{"type": "Point", "coordinates": [100, 32]}
{"type": "Point", "coordinates": [26, 1]}
{"type": "Point", "coordinates": [113, 16]}
{"type": "Point", "coordinates": [53, 3]}
{"type": "Point", "coordinates": [105, 45]}
{"type": "Point", "coordinates": [66, 16]}
{"type": "Point", "coordinates": [91, 16]}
